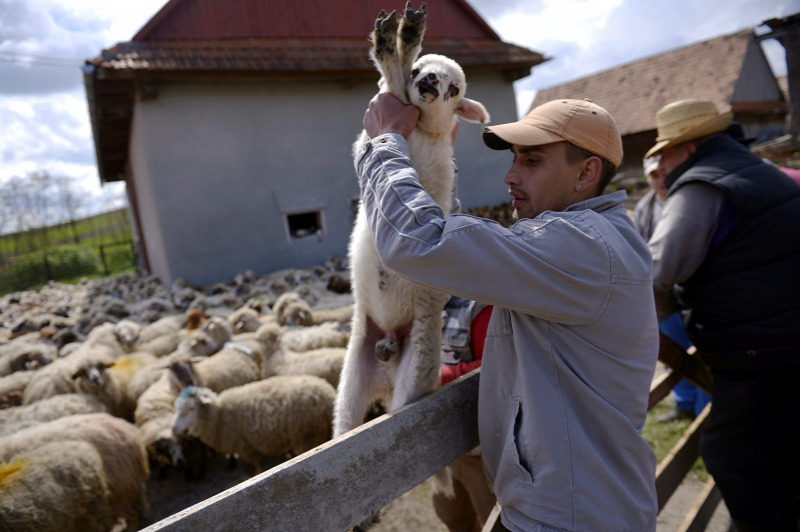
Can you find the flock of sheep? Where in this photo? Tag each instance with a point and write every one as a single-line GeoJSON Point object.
{"type": "Point", "coordinates": [110, 381]}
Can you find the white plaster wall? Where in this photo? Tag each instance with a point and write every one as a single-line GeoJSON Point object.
{"type": "Point", "coordinates": [217, 165]}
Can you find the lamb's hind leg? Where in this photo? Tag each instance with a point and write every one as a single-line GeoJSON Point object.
{"type": "Point", "coordinates": [358, 380]}
{"type": "Point", "coordinates": [418, 368]}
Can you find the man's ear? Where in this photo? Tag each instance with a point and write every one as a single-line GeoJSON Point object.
{"type": "Point", "coordinates": [591, 169]}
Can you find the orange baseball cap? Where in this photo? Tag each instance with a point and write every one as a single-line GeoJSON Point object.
{"type": "Point", "coordinates": [581, 122]}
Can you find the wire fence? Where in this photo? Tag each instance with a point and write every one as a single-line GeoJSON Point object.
{"type": "Point", "coordinates": [66, 263]}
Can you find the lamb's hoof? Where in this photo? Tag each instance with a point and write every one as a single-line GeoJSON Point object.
{"type": "Point", "coordinates": [385, 35]}
{"type": "Point", "coordinates": [385, 349]}
{"type": "Point", "coordinates": [416, 17]}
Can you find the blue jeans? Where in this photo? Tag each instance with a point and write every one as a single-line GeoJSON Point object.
{"type": "Point", "coordinates": [688, 397]}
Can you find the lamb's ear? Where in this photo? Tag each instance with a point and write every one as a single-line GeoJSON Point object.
{"type": "Point", "coordinates": [472, 111]}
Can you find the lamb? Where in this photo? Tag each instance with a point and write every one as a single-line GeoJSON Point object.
{"type": "Point", "coordinates": [76, 473]}
{"type": "Point", "coordinates": [396, 328]}
{"type": "Point", "coordinates": [271, 417]}
{"type": "Point", "coordinates": [18, 417]}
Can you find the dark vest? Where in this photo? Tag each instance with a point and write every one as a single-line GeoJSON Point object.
{"type": "Point", "coordinates": [744, 301]}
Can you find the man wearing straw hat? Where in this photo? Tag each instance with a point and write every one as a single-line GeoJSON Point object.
{"type": "Point", "coordinates": [727, 247]}
{"type": "Point", "coordinates": [572, 342]}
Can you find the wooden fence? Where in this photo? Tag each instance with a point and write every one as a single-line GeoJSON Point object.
{"type": "Point", "coordinates": [344, 481]}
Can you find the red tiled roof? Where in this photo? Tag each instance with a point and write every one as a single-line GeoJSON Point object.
{"type": "Point", "coordinates": [634, 92]}
{"type": "Point", "coordinates": [281, 57]}
{"type": "Point", "coordinates": [238, 39]}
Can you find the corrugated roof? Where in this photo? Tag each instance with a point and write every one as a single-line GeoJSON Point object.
{"type": "Point", "coordinates": [634, 92]}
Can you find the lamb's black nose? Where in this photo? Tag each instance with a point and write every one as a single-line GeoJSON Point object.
{"type": "Point", "coordinates": [432, 79]}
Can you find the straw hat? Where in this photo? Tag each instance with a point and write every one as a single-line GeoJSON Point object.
{"type": "Point", "coordinates": [687, 120]}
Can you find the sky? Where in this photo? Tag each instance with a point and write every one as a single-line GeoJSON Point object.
{"type": "Point", "coordinates": [44, 119]}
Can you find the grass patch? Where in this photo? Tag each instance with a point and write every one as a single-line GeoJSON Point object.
{"type": "Point", "coordinates": [662, 437]}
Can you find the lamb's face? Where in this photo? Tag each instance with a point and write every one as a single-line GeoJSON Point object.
{"type": "Point", "coordinates": [436, 80]}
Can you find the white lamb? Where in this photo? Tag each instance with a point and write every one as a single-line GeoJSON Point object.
{"type": "Point", "coordinates": [271, 417]}
{"type": "Point", "coordinates": [396, 329]}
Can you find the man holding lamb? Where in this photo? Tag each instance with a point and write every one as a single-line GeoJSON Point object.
{"type": "Point", "coordinates": [573, 340]}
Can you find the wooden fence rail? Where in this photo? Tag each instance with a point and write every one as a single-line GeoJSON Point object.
{"type": "Point", "coordinates": [344, 481]}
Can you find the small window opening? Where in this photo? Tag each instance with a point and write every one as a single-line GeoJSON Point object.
{"type": "Point", "coordinates": [304, 224]}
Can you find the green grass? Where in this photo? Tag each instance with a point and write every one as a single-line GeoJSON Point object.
{"type": "Point", "coordinates": [662, 437]}
{"type": "Point", "coordinates": [92, 247]}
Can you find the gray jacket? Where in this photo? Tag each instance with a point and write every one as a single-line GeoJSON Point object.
{"type": "Point", "coordinates": [571, 347]}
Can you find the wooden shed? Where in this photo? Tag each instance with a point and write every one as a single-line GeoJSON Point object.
{"type": "Point", "coordinates": [231, 123]}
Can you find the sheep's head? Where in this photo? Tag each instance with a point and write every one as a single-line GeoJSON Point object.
{"type": "Point", "coordinates": [218, 329]}
{"type": "Point", "coordinates": [92, 377]}
{"type": "Point", "coordinates": [438, 87]}
{"type": "Point", "coordinates": [188, 410]}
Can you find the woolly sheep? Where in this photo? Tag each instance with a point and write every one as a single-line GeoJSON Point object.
{"type": "Point", "coordinates": [271, 417]}
{"type": "Point", "coordinates": [23, 355]}
{"type": "Point", "coordinates": [109, 382]}
{"type": "Point", "coordinates": [325, 362]}
{"type": "Point", "coordinates": [58, 377]}
{"type": "Point", "coordinates": [326, 334]}
{"type": "Point", "coordinates": [12, 388]}
{"type": "Point", "coordinates": [76, 473]}
{"type": "Point", "coordinates": [292, 309]}
{"type": "Point", "coordinates": [153, 416]}
{"type": "Point", "coordinates": [391, 311]}
{"type": "Point", "coordinates": [17, 417]}
{"type": "Point", "coordinates": [244, 319]}
{"type": "Point", "coordinates": [235, 364]}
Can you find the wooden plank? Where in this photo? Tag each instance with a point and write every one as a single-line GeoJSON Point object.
{"type": "Point", "coordinates": [493, 523]}
{"type": "Point", "coordinates": [703, 509]}
{"type": "Point", "coordinates": [340, 483]}
{"type": "Point", "coordinates": [684, 363]}
{"type": "Point", "coordinates": [661, 387]}
{"type": "Point", "coordinates": [678, 462]}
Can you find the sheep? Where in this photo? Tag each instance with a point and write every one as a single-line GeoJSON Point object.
{"type": "Point", "coordinates": [244, 319]}
{"type": "Point", "coordinates": [326, 334]}
{"type": "Point", "coordinates": [51, 480]}
{"type": "Point", "coordinates": [235, 364]}
{"type": "Point", "coordinates": [109, 382]}
{"type": "Point", "coordinates": [58, 376]}
{"type": "Point", "coordinates": [396, 326]}
{"type": "Point", "coordinates": [292, 309]}
{"type": "Point", "coordinates": [12, 388]}
{"type": "Point", "coordinates": [23, 355]}
{"type": "Point", "coordinates": [153, 416]}
{"type": "Point", "coordinates": [325, 362]}
{"type": "Point", "coordinates": [271, 417]}
{"type": "Point", "coordinates": [15, 418]}
{"type": "Point", "coordinates": [162, 336]}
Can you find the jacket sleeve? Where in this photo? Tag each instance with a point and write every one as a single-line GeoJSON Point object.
{"type": "Point", "coordinates": [531, 267]}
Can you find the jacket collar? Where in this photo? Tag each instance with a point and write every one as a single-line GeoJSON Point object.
{"type": "Point", "coordinates": [600, 203]}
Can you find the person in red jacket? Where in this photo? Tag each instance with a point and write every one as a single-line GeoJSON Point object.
{"type": "Point", "coordinates": [462, 497]}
